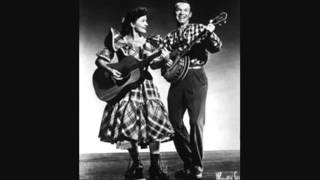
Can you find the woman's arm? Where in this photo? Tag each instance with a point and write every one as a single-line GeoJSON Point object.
{"type": "Point", "coordinates": [104, 58]}
{"type": "Point", "coordinates": [116, 74]}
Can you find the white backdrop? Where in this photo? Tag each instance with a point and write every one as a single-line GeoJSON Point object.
{"type": "Point", "coordinates": [222, 128]}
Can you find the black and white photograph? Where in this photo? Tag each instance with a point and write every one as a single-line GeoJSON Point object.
{"type": "Point", "coordinates": [159, 89]}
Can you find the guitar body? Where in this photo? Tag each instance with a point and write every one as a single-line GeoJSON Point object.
{"type": "Point", "coordinates": [110, 90]}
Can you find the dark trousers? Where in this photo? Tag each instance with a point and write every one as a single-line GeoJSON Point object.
{"type": "Point", "coordinates": [189, 94]}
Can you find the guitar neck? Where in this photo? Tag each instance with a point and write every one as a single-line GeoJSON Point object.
{"type": "Point", "coordinates": [176, 52]}
{"type": "Point", "coordinates": [146, 60]}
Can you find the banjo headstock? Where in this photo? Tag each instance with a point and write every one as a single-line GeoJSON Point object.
{"type": "Point", "coordinates": [218, 20]}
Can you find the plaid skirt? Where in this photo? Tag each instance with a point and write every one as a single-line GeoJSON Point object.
{"type": "Point", "coordinates": [140, 116]}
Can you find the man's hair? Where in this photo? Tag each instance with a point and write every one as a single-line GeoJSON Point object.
{"type": "Point", "coordinates": [183, 1]}
{"type": "Point", "coordinates": [180, 1]}
{"type": "Point", "coordinates": [131, 17]}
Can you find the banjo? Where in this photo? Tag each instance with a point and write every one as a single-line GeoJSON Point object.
{"type": "Point", "coordinates": [179, 68]}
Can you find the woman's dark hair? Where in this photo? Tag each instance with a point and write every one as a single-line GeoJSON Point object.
{"type": "Point", "coordinates": [131, 17]}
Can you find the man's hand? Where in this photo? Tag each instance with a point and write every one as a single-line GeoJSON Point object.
{"type": "Point", "coordinates": [169, 62]}
{"type": "Point", "coordinates": [210, 27]}
{"type": "Point", "coordinates": [165, 53]}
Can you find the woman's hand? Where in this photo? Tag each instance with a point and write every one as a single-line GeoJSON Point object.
{"type": "Point", "coordinates": [116, 74]}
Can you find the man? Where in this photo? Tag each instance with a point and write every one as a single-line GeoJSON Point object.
{"type": "Point", "coordinates": [191, 92]}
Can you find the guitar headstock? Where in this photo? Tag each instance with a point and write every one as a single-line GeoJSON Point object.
{"type": "Point", "coordinates": [218, 20]}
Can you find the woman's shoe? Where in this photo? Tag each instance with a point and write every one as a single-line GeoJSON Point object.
{"type": "Point", "coordinates": [156, 170]}
{"type": "Point", "coordinates": [156, 173]}
{"type": "Point", "coordinates": [135, 172]}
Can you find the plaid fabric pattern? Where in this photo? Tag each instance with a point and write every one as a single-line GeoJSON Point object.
{"type": "Point", "coordinates": [180, 39]}
{"type": "Point", "coordinates": [140, 116]}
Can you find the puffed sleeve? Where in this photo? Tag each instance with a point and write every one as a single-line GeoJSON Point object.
{"type": "Point", "coordinates": [105, 55]}
{"type": "Point", "coordinates": [112, 43]}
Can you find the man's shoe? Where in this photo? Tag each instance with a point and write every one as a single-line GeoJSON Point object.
{"type": "Point", "coordinates": [197, 173]}
{"type": "Point", "coordinates": [183, 173]}
{"type": "Point", "coordinates": [197, 176]}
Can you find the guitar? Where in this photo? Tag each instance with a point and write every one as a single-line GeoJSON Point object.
{"type": "Point", "coordinates": [179, 68]}
{"type": "Point", "coordinates": [111, 90]}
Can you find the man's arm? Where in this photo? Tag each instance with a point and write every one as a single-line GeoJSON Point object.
{"type": "Point", "coordinates": [213, 43]}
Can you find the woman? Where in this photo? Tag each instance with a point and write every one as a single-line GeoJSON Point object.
{"type": "Point", "coordinates": [140, 117]}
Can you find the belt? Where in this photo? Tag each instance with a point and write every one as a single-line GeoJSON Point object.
{"type": "Point", "coordinates": [198, 66]}
{"type": "Point", "coordinates": [195, 67]}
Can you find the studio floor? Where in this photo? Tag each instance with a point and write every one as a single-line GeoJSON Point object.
{"type": "Point", "coordinates": [111, 166]}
